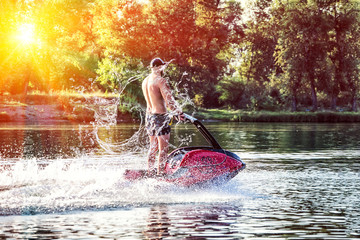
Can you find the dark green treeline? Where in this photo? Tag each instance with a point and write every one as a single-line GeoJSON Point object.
{"type": "Point", "coordinates": [258, 55]}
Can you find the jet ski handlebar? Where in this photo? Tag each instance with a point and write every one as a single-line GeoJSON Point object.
{"type": "Point", "coordinates": [189, 119]}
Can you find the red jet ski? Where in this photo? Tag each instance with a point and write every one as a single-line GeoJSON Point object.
{"type": "Point", "coordinates": [188, 166]}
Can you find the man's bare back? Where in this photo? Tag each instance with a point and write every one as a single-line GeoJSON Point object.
{"type": "Point", "coordinates": [152, 89]}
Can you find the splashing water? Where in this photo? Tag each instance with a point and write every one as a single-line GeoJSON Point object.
{"type": "Point", "coordinates": [106, 110]}
{"type": "Point", "coordinates": [91, 181]}
{"type": "Point", "coordinates": [86, 184]}
{"type": "Point", "coordinates": [105, 115]}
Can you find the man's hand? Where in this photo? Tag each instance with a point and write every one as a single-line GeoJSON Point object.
{"type": "Point", "coordinates": [180, 117]}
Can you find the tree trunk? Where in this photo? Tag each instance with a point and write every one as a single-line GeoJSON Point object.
{"type": "Point", "coordinates": [293, 103]}
{"type": "Point", "coordinates": [26, 82]}
{"type": "Point", "coordinates": [354, 103]}
{"type": "Point", "coordinates": [313, 95]}
{"type": "Point", "coordinates": [333, 102]}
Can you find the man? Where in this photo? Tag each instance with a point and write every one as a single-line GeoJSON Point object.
{"type": "Point", "coordinates": [158, 98]}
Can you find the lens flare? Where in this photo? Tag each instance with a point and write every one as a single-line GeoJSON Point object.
{"type": "Point", "coordinates": [26, 33]}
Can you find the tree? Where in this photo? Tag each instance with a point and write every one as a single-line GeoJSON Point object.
{"type": "Point", "coordinates": [259, 44]}
{"type": "Point", "coordinates": [191, 32]}
{"type": "Point", "coordinates": [302, 46]}
{"type": "Point", "coordinates": [344, 50]}
{"type": "Point", "coordinates": [69, 49]}
{"type": "Point", "coordinates": [124, 76]}
{"type": "Point", "coordinates": [48, 42]}
{"type": "Point", "coordinates": [255, 63]}
{"type": "Point", "coordinates": [14, 65]}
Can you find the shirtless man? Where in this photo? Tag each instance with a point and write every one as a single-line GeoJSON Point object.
{"type": "Point", "coordinates": [158, 98]}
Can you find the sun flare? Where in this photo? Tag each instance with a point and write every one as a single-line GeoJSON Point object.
{"type": "Point", "coordinates": [26, 33]}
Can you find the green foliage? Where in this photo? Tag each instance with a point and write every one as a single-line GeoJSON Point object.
{"type": "Point", "coordinates": [312, 47]}
{"type": "Point", "coordinates": [199, 100]}
{"type": "Point", "coordinates": [232, 91]}
{"type": "Point", "coordinates": [123, 76]}
{"type": "Point", "coordinates": [257, 49]}
{"type": "Point", "coordinates": [285, 54]}
{"type": "Point", "coordinates": [299, 117]}
{"type": "Point", "coordinates": [296, 49]}
{"type": "Point", "coordinates": [278, 116]}
{"type": "Point", "coordinates": [190, 32]}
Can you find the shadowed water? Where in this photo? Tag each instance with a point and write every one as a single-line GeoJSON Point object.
{"type": "Point", "coordinates": [301, 182]}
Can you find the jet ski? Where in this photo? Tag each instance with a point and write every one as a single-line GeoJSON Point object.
{"type": "Point", "coordinates": [188, 166]}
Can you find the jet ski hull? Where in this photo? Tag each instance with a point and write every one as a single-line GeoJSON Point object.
{"type": "Point", "coordinates": [201, 166]}
{"type": "Point", "coordinates": [196, 166]}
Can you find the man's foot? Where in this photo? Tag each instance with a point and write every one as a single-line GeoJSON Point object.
{"type": "Point", "coordinates": [151, 173]}
{"type": "Point", "coordinates": [161, 174]}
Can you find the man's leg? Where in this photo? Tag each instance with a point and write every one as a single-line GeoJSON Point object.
{"type": "Point", "coordinates": [153, 149]}
{"type": "Point", "coordinates": [163, 152]}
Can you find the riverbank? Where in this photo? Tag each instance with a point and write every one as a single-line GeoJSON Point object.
{"type": "Point", "coordinates": [79, 109]}
{"type": "Point", "coordinates": [266, 116]}
{"type": "Point", "coordinates": [51, 109]}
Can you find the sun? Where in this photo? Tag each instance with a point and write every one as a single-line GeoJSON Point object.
{"type": "Point", "coordinates": [143, 2]}
{"type": "Point", "coordinates": [26, 33]}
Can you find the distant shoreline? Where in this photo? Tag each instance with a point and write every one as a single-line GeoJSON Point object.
{"type": "Point", "coordinates": [56, 114]}
{"type": "Point", "coordinates": [57, 109]}
{"type": "Point", "coordinates": [281, 116]}
{"type": "Point", "coordinates": [54, 109]}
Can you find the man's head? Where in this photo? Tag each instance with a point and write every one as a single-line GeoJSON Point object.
{"type": "Point", "coordinates": [156, 62]}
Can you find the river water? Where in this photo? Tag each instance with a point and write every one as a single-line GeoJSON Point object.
{"type": "Point", "coordinates": [302, 181]}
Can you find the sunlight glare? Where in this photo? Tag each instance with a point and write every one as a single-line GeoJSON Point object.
{"type": "Point", "coordinates": [26, 33]}
{"type": "Point", "coordinates": [143, 2]}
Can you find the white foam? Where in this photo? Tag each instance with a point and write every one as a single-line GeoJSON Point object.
{"type": "Point", "coordinates": [89, 183]}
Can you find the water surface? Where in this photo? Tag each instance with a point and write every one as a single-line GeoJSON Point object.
{"type": "Point", "coordinates": [302, 181]}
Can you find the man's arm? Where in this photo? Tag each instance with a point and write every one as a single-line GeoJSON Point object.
{"type": "Point", "coordinates": [168, 97]}
{"type": "Point", "coordinates": [146, 94]}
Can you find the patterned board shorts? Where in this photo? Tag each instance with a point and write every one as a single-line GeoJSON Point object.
{"type": "Point", "coordinates": [157, 124]}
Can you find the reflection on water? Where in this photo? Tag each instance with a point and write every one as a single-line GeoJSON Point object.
{"type": "Point", "coordinates": [158, 223]}
{"type": "Point", "coordinates": [301, 182]}
{"type": "Point", "coordinates": [288, 137]}
{"type": "Point", "coordinates": [42, 141]}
